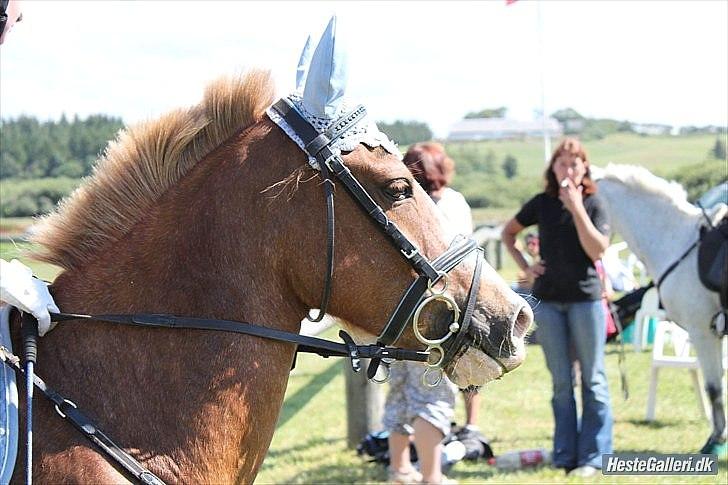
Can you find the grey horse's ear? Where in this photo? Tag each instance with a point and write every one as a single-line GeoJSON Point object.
{"type": "Point", "coordinates": [303, 65]}
{"type": "Point", "coordinates": [326, 79]}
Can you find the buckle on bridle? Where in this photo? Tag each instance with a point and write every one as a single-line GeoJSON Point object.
{"type": "Point", "coordinates": [411, 254]}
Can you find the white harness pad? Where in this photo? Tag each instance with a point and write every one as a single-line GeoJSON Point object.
{"type": "Point", "coordinates": [8, 404]}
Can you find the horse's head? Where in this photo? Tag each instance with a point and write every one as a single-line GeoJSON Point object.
{"type": "Point", "coordinates": [390, 238]}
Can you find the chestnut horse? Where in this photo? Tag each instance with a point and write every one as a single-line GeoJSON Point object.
{"type": "Point", "coordinates": [213, 212]}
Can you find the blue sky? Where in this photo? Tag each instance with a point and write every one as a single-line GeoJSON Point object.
{"type": "Point", "coordinates": [653, 61]}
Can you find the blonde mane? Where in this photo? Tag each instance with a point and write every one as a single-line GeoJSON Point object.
{"type": "Point", "coordinates": [645, 181]}
{"type": "Point", "coordinates": [143, 163]}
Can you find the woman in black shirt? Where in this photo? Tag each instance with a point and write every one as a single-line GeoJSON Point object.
{"type": "Point", "coordinates": [573, 229]}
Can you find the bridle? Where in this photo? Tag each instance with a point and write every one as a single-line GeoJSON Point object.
{"type": "Point", "coordinates": [320, 146]}
{"type": "Point", "coordinates": [428, 288]}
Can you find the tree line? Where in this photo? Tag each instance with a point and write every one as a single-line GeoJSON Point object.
{"type": "Point", "coordinates": [31, 149]}
{"type": "Point", "coordinates": [41, 162]}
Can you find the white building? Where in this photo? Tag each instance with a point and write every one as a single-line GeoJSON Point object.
{"type": "Point", "coordinates": [652, 129]}
{"type": "Point", "coordinates": [501, 128]}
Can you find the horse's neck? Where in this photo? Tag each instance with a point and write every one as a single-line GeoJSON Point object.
{"type": "Point", "coordinates": [202, 251]}
{"type": "Point", "coordinates": [656, 231]}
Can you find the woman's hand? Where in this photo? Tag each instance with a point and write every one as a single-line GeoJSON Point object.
{"type": "Point", "coordinates": [20, 289]}
{"type": "Point", "coordinates": [534, 271]}
{"type": "Point", "coordinates": [571, 196]}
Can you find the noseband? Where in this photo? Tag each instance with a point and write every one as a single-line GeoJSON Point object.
{"type": "Point", "coordinates": [424, 290]}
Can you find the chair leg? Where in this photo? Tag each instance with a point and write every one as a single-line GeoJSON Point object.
{"type": "Point", "coordinates": [637, 334]}
{"type": "Point", "coordinates": [703, 404]}
{"type": "Point", "coordinates": [652, 394]}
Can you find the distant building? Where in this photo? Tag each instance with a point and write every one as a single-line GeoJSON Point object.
{"type": "Point", "coordinates": [652, 129]}
{"type": "Point", "coordinates": [501, 129]}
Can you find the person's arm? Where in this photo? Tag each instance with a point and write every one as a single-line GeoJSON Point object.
{"type": "Point", "coordinates": [592, 241]}
{"type": "Point", "coordinates": [508, 237]}
{"type": "Point", "coordinates": [20, 289]}
{"type": "Point", "coordinates": [12, 15]}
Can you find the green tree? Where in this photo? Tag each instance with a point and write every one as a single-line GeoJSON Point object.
{"type": "Point", "coordinates": [565, 114]}
{"type": "Point", "coordinates": [32, 149]}
{"type": "Point", "coordinates": [510, 166]}
{"type": "Point", "coordinates": [488, 113]}
{"type": "Point", "coordinates": [406, 132]}
{"type": "Point", "coordinates": [718, 150]}
{"type": "Point", "coordinates": [698, 178]}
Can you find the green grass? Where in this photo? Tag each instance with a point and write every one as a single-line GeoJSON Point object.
{"type": "Point", "coordinates": [309, 445]}
{"type": "Point", "coordinates": [13, 248]}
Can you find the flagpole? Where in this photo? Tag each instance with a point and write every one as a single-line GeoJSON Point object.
{"type": "Point", "coordinates": [541, 50]}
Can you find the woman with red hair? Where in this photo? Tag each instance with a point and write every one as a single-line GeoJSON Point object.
{"type": "Point", "coordinates": [434, 171]}
{"type": "Point", "coordinates": [573, 230]}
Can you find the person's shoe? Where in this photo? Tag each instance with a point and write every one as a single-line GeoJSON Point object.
{"type": "Point", "coordinates": [584, 471]}
{"type": "Point", "coordinates": [411, 476]}
{"type": "Point", "coordinates": [443, 481]}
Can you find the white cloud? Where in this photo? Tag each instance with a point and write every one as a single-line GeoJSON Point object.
{"type": "Point", "coordinates": [659, 61]}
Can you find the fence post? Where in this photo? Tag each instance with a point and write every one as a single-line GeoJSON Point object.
{"type": "Point", "coordinates": [364, 405]}
{"type": "Point", "coordinates": [499, 255]}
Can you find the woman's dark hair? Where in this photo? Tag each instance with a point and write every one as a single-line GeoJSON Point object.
{"type": "Point", "coordinates": [574, 148]}
{"type": "Point", "coordinates": [430, 165]}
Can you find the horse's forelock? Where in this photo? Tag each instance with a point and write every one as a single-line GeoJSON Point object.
{"type": "Point", "coordinates": [143, 163]}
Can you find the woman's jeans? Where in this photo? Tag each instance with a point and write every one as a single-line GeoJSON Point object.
{"type": "Point", "coordinates": [569, 331]}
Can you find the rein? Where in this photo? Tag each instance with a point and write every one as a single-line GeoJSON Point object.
{"type": "Point", "coordinates": [675, 263]}
{"type": "Point", "coordinates": [322, 347]}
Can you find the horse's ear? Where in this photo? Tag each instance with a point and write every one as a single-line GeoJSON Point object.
{"type": "Point", "coordinates": [303, 65]}
{"type": "Point", "coordinates": [326, 79]}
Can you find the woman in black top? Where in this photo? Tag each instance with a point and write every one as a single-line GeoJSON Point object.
{"type": "Point", "coordinates": [573, 229]}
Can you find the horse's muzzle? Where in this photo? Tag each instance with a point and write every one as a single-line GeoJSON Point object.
{"type": "Point", "coordinates": [496, 346]}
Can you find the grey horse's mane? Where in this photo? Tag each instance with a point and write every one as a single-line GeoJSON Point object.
{"type": "Point", "coordinates": [643, 180]}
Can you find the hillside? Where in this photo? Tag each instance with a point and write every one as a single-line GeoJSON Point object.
{"type": "Point", "coordinates": [480, 176]}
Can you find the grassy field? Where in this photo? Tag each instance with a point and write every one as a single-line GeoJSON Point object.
{"type": "Point", "coordinates": [660, 154]}
{"type": "Point", "coordinates": [13, 248]}
{"type": "Point", "coordinates": [309, 445]}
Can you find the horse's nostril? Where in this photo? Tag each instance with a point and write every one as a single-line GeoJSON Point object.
{"type": "Point", "coordinates": [523, 321]}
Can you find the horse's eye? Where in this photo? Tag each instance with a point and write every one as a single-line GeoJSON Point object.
{"type": "Point", "coordinates": [399, 189]}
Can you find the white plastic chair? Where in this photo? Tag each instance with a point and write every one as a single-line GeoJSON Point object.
{"type": "Point", "coordinates": [669, 333]}
{"type": "Point", "coordinates": [650, 309]}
